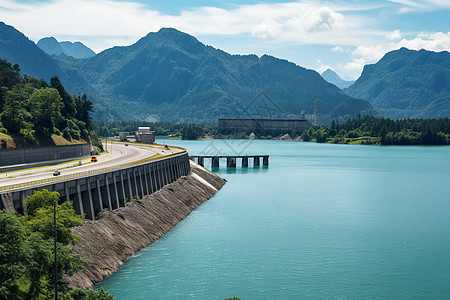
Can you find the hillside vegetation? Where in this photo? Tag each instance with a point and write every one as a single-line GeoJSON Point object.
{"type": "Point", "coordinates": [407, 84]}
{"type": "Point", "coordinates": [36, 113]}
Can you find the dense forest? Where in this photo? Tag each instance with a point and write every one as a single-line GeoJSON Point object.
{"type": "Point", "coordinates": [32, 109]}
{"type": "Point", "coordinates": [384, 131]}
{"type": "Point", "coordinates": [27, 261]}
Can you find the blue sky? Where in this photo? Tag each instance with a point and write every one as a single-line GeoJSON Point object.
{"type": "Point", "coordinates": [341, 35]}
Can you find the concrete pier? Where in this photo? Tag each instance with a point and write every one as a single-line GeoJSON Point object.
{"type": "Point", "coordinates": [110, 190]}
{"type": "Point", "coordinates": [231, 160]}
{"type": "Point", "coordinates": [215, 162]}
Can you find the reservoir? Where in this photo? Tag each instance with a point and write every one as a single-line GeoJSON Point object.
{"type": "Point", "coordinates": [321, 221]}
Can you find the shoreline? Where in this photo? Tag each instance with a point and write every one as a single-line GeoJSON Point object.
{"type": "Point", "coordinates": [117, 235]}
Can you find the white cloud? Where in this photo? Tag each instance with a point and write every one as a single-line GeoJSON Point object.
{"type": "Point", "coordinates": [313, 19]}
{"type": "Point", "coordinates": [362, 56]}
{"type": "Point", "coordinates": [407, 6]}
{"type": "Point", "coordinates": [268, 29]}
{"type": "Point", "coordinates": [105, 23]}
{"type": "Point", "coordinates": [437, 41]}
{"type": "Point", "coordinates": [338, 49]}
{"type": "Point", "coordinates": [394, 35]}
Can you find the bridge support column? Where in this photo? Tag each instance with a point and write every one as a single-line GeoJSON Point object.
{"type": "Point", "coordinates": [116, 191]}
{"type": "Point", "coordinates": [80, 200]}
{"type": "Point", "coordinates": [130, 188]}
{"type": "Point", "coordinates": [166, 171]}
{"type": "Point", "coordinates": [147, 191]}
{"type": "Point", "coordinates": [108, 193]}
{"type": "Point", "coordinates": [231, 162]}
{"type": "Point", "coordinates": [123, 189]}
{"type": "Point", "coordinates": [201, 161]}
{"type": "Point", "coordinates": [66, 189]}
{"type": "Point", "coordinates": [141, 182]}
{"type": "Point", "coordinates": [245, 162]}
{"type": "Point", "coordinates": [256, 161]}
{"type": "Point", "coordinates": [265, 160]}
{"type": "Point", "coordinates": [91, 203]}
{"type": "Point", "coordinates": [215, 162]}
{"type": "Point", "coordinates": [99, 194]}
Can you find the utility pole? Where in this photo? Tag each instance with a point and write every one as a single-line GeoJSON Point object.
{"type": "Point", "coordinates": [54, 239]}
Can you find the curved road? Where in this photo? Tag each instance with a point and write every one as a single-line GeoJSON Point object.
{"type": "Point", "coordinates": [120, 154]}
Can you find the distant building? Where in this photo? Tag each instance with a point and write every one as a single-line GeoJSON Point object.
{"type": "Point", "coordinates": [144, 135]}
{"type": "Point", "coordinates": [272, 127]}
{"type": "Point", "coordinates": [123, 136]}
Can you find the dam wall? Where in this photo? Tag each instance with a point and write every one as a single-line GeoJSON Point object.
{"type": "Point", "coordinates": [117, 235]}
{"type": "Point", "coordinates": [94, 193]}
{"type": "Point", "coordinates": [263, 126]}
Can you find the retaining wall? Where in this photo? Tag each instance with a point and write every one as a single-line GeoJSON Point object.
{"type": "Point", "coordinates": [19, 156]}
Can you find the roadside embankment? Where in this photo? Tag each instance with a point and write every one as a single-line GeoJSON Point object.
{"type": "Point", "coordinates": [116, 235]}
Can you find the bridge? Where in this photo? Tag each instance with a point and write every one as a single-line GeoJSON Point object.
{"type": "Point", "coordinates": [231, 160]}
{"type": "Point", "coordinates": [128, 172]}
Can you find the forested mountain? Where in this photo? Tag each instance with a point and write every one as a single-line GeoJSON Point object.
{"type": "Point", "coordinates": [332, 77]}
{"type": "Point", "coordinates": [172, 76]}
{"type": "Point", "coordinates": [51, 46]}
{"type": "Point", "coordinates": [407, 83]}
{"type": "Point", "coordinates": [18, 49]}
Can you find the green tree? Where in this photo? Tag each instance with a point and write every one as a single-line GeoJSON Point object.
{"type": "Point", "coordinates": [13, 115]}
{"type": "Point", "coordinates": [46, 107]}
{"type": "Point", "coordinates": [13, 254]}
{"type": "Point", "coordinates": [69, 108]}
{"type": "Point", "coordinates": [40, 216]}
{"type": "Point", "coordinates": [39, 225]}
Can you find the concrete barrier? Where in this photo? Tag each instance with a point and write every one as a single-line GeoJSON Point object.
{"type": "Point", "coordinates": [11, 158]}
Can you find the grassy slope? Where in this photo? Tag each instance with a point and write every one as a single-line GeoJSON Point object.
{"type": "Point", "coordinates": [20, 142]}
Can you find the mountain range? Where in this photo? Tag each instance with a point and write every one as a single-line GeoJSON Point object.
{"type": "Point", "coordinates": [170, 76]}
{"type": "Point", "coordinates": [332, 77]}
{"type": "Point", "coordinates": [407, 84]}
{"type": "Point", "coordinates": [77, 50]}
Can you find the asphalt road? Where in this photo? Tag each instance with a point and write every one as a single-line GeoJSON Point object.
{"type": "Point", "coordinates": [120, 154]}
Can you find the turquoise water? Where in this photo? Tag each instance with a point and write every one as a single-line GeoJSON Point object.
{"type": "Point", "coordinates": [322, 221]}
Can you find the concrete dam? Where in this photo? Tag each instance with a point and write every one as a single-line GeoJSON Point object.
{"type": "Point", "coordinates": [93, 193]}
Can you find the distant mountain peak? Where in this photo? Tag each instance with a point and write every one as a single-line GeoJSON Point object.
{"type": "Point", "coordinates": [332, 77]}
{"type": "Point", "coordinates": [50, 45]}
{"type": "Point", "coordinates": [77, 50]}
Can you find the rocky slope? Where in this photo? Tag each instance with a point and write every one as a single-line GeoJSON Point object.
{"type": "Point", "coordinates": [117, 235]}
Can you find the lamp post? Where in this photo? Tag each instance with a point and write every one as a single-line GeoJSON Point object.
{"type": "Point", "coordinates": [54, 239]}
